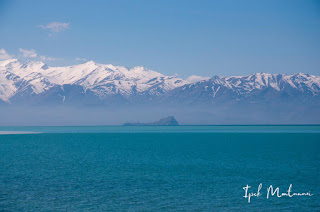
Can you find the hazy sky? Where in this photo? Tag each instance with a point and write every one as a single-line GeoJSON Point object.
{"type": "Point", "coordinates": [185, 37]}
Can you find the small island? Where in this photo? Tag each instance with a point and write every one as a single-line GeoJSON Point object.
{"type": "Point", "coordinates": [168, 121]}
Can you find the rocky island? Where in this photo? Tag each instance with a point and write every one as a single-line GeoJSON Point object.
{"type": "Point", "coordinates": [168, 121]}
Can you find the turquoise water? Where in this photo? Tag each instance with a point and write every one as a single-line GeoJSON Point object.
{"type": "Point", "coordinates": [158, 168]}
{"type": "Point", "coordinates": [172, 129]}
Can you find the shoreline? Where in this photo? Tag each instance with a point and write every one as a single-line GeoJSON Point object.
{"type": "Point", "coordinates": [18, 132]}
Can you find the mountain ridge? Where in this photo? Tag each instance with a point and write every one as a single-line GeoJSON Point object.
{"type": "Point", "coordinates": [93, 83]}
{"type": "Point", "coordinates": [101, 79]}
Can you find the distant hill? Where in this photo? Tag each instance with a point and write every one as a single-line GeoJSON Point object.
{"type": "Point", "coordinates": [168, 121]}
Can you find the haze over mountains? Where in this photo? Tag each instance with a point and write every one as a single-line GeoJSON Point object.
{"type": "Point", "coordinates": [90, 84]}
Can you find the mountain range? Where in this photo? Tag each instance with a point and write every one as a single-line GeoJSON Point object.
{"type": "Point", "coordinates": [87, 83]}
{"type": "Point", "coordinates": [33, 93]}
{"type": "Point", "coordinates": [35, 83]}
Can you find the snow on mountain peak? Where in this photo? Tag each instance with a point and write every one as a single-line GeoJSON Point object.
{"type": "Point", "coordinates": [195, 78]}
{"type": "Point", "coordinates": [101, 79]}
{"type": "Point", "coordinates": [34, 65]}
{"type": "Point", "coordinates": [35, 77]}
{"type": "Point", "coordinates": [9, 62]}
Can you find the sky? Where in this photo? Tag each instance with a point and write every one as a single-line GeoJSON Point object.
{"type": "Point", "coordinates": [183, 38]}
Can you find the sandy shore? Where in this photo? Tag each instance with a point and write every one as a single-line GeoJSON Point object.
{"type": "Point", "coordinates": [17, 132]}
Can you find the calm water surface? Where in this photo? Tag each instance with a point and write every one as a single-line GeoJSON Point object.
{"type": "Point", "coordinates": [158, 168]}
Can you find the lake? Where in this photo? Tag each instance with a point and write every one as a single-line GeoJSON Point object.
{"type": "Point", "coordinates": [150, 168]}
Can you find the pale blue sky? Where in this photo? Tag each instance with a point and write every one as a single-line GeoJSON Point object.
{"type": "Point", "coordinates": [185, 37]}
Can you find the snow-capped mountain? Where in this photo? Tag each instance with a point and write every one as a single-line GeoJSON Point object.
{"type": "Point", "coordinates": [260, 87]}
{"type": "Point", "coordinates": [35, 78]}
{"type": "Point", "coordinates": [91, 83]}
